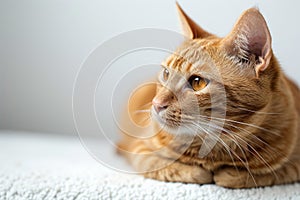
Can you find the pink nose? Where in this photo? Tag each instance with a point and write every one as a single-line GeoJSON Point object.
{"type": "Point", "coordinates": [159, 105]}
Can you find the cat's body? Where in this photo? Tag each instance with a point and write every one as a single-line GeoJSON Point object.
{"type": "Point", "coordinates": [259, 142]}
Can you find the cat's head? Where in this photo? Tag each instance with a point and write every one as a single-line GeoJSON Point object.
{"type": "Point", "coordinates": [210, 78]}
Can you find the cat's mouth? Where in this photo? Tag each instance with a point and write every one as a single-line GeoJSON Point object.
{"type": "Point", "coordinates": [177, 126]}
{"type": "Point", "coordinates": [166, 123]}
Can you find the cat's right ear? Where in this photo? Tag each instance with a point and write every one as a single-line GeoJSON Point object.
{"type": "Point", "coordinates": [250, 38]}
{"type": "Point", "coordinates": [190, 29]}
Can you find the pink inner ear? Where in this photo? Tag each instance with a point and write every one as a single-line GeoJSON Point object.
{"type": "Point", "coordinates": [252, 34]}
{"type": "Point", "coordinates": [257, 44]}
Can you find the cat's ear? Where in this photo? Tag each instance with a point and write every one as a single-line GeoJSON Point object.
{"type": "Point", "coordinates": [250, 39]}
{"type": "Point", "coordinates": [190, 29]}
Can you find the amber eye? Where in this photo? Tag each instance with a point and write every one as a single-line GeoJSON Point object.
{"type": "Point", "coordinates": [166, 74]}
{"type": "Point", "coordinates": [198, 83]}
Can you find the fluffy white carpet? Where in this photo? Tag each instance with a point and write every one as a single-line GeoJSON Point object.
{"type": "Point", "coordinates": [41, 166]}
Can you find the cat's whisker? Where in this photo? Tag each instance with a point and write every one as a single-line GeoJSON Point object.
{"type": "Point", "coordinates": [205, 144]}
{"type": "Point", "coordinates": [255, 137]}
{"type": "Point", "coordinates": [206, 131]}
{"type": "Point", "coordinates": [242, 123]}
{"type": "Point", "coordinates": [198, 136]}
{"type": "Point", "coordinates": [141, 111]}
{"type": "Point", "coordinates": [270, 150]}
{"type": "Point", "coordinates": [254, 154]}
{"type": "Point", "coordinates": [146, 119]}
{"type": "Point", "coordinates": [246, 162]}
{"type": "Point", "coordinates": [243, 130]}
{"type": "Point", "coordinates": [147, 104]}
{"type": "Point", "coordinates": [243, 152]}
{"type": "Point", "coordinates": [227, 148]}
{"type": "Point", "coordinates": [249, 145]}
{"type": "Point", "coordinates": [254, 126]}
{"type": "Point", "coordinates": [259, 112]}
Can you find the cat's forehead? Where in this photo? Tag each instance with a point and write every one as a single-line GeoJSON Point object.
{"type": "Point", "coordinates": [190, 56]}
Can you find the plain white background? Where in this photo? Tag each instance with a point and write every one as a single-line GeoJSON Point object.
{"type": "Point", "coordinates": [43, 43]}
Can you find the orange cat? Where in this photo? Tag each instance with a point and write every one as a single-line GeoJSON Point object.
{"type": "Point", "coordinates": [230, 90]}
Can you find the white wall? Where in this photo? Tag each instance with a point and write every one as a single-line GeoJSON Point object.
{"type": "Point", "coordinates": [43, 43]}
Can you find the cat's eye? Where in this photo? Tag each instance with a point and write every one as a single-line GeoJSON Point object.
{"type": "Point", "coordinates": [197, 82]}
{"type": "Point", "coordinates": [166, 74]}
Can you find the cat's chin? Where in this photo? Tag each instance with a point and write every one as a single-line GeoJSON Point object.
{"type": "Point", "coordinates": [172, 129]}
{"type": "Point", "coordinates": [179, 131]}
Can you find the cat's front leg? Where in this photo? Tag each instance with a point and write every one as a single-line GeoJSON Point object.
{"type": "Point", "coordinates": [178, 172]}
{"type": "Point", "coordinates": [165, 169]}
{"type": "Point", "coordinates": [233, 178]}
{"type": "Point", "coordinates": [159, 167]}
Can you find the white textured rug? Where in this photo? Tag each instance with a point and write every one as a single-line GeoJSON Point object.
{"type": "Point", "coordinates": [39, 166]}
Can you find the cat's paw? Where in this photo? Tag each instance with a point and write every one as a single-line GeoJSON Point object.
{"type": "Point", "coordinates": [178, 172]}
{"type": "Point", "coordinates": [234, 178]}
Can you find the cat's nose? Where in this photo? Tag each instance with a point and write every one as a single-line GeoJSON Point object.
{"type": "Point", "coordinates": [159, 105]}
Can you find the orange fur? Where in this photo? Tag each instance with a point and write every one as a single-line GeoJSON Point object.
{"type": "Point", "coordinates": [260, 142]}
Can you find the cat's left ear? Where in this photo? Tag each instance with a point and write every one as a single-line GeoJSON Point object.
{"type": "Point", "coordinates": [190, 29]}
{"type": "Point", "coordinates": [251, 39]}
